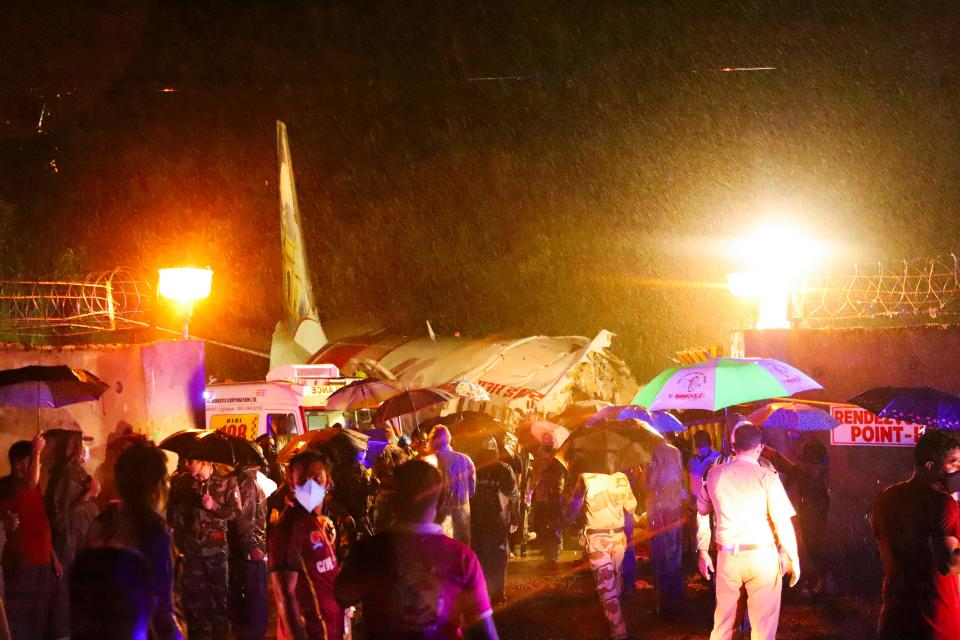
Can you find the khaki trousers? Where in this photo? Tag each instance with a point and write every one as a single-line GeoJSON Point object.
{"type": "Point", "coordinates": [758, 571]}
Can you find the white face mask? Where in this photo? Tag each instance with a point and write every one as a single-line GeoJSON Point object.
{"type": "Point", "coordinates": [310, 494]}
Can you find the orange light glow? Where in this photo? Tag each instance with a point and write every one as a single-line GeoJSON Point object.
{"type": "Point", "coordinates": [185, 284]}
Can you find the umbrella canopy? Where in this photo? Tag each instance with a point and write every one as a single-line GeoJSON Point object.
{"type": "Point", "coordinates": [794, 416]}
{"type": "Point", "coordinates": [472, 421]}
{"type": "Point", "coordinates": [182, 441]}
{"type": "Point", "coordinates": [214, 446]}
{"type": "Point", "coordinates": [577, 414]}
{"type": "Point", "coordinates": [610, 446]}
{"type": "Point", "coordinates": [471, 391]}
{"type": "Point", "coordinates": [320, 439]}
{"type": "Point", "coordinates": [542, 428]}
{"type": "Point", "coordinates": [363, 394]}
{"type": "Point", "coordinates": [48, 386]}
{"type": "Point", "coordinates": [723, 382]}
{"type": "Point", "coordinates": [662, 421]}
{"type": "Point", "coordinates": [217, 446]}
{"type": "Point", "coordinates": [920, 405]}
{"type": "Point", "coordinates": [471, 430]}
{"type": "Point", "coordinates": [410, 401]}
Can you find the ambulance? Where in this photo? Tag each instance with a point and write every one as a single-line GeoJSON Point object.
{"type": "Point", "coordinates": [291, 401]}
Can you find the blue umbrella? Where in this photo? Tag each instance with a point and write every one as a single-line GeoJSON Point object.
{"type": "Point", "coordinates": [795, 416]}
{"type": "Point", "coordinates": [662, 421]}
{"type": "Point", "coordinates": [920, 405]}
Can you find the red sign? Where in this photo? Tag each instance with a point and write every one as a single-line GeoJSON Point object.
{"type": "Point", "coordinates": [859, 427]}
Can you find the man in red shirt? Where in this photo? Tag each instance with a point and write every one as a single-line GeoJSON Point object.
{"type": "Point", "coordinates": [30, 567]}
{"type": "Point", "coordinates": [917, 525]}
{"type": "Point", "coordinates": [302, 556]}
{"type": "Point", "coordinates": [413, 582]}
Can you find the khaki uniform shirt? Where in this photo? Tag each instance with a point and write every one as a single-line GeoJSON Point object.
{"type": "Point", "coordinates": [745, 499]}
{"type": "Point", "coordinates": [607, 497]}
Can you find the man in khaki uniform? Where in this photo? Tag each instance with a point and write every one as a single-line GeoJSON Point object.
{"type": "Point", "coordinates": [605, 497]}
{"type": "Point", "coordinates": [752, 514]}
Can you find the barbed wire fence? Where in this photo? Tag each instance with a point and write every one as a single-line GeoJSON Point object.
{"type": "Point", "coordinates": [106, 301]}
{"type": "Point", "coordinates": [901, 291]}
{"type": "Point", "coordinates": [84, 309]}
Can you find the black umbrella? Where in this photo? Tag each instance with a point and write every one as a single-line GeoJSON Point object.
{"type": "Point", "coordinates": [214, 446]}
{"type": "Point", "coordinates": [610, 446]}
{"type": "Point", "coordinates": [470, 431]}
{"type": "Point", "coordinates": [321, 439]}
{"type": "Point", "coordinates": [411, 401]}
{"type": "Point", "coordinates": [181, 442]}
{"type": "Point", "coordinates": [920, 405]}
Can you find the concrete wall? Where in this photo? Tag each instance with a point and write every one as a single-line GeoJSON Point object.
{"type": "Point", "coordinates": [154, 388]}
{"type": "Point", "coordinates": [846, 362]}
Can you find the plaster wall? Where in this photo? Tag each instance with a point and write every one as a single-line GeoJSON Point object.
{"type": "Point", "coordinates": [154, 389]}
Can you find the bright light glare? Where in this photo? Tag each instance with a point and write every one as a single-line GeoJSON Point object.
{"type": "Point", "coordinates": [185, 284]}
{"type": "Point", "coordinates": [772, 292]}
{"type": "Point", "coordinates": [776, 257]}
{"type": "Point", "coordinates": [781, 248]}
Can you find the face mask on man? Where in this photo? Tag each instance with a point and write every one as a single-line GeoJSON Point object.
{"type": "Point", "coordinates": [310, 494]}
{"type": "Point", "coordinates": [952, 481]}
{"type": "Point", "coordinates": [703, 451]}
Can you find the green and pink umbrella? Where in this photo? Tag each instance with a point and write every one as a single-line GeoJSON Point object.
{"type": "Point", "coordinates": [723, 382]}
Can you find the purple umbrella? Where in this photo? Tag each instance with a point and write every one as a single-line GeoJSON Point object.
{"type": "Point", "coordinates": [48, 386]}
{"type": "Point", "coordinates": [662, 421]}
{"type": "Point", "coordinates": [920, 405]}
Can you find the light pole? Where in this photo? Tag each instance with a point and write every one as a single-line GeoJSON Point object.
{"type": "Point", "coordinates": [184, 286]}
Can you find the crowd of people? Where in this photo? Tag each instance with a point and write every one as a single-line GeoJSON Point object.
{"type": "Point", "coordinates": [417, 546]}
{"type": "Point", "coordinates": [219, 545]}
{"type": "Point", "coordinates": [202, 553]}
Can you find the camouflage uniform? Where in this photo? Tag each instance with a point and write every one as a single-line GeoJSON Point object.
{"type": "Point", "coordinates": [201, 538]}
{"type": "Point", "coordinates": [384, 514]}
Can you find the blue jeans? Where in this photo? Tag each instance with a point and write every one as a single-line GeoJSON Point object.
{"type": "Point", "coordinates": [248, 598]}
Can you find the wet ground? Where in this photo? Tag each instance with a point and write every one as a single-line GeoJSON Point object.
{"type": "Point", "coordinates": [545, 604]}
{"type": "Point", "coordinates": [561, 604]}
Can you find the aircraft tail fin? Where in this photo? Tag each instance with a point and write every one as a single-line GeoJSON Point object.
{"type": "Point", "coordinates": [298, 298]}
{"type": "Point", "coordinates": [299, 330]}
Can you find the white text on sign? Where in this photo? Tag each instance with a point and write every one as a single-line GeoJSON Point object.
{"type": "Point", "coordinates": [859, 427]}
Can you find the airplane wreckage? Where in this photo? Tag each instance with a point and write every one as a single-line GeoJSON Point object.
{"type": "Point", "coordinates": [533, 375]}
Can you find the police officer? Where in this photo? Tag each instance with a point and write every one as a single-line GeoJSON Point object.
{"type": "Point", "coordinates": [248, 563]}
{"type": "Point", "coordinates": [203, 501]}
{"type": "Point", "coordinates": [755, 539]}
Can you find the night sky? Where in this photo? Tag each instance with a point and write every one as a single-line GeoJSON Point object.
{"type": "Point", "coordinates": [495, 167]}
